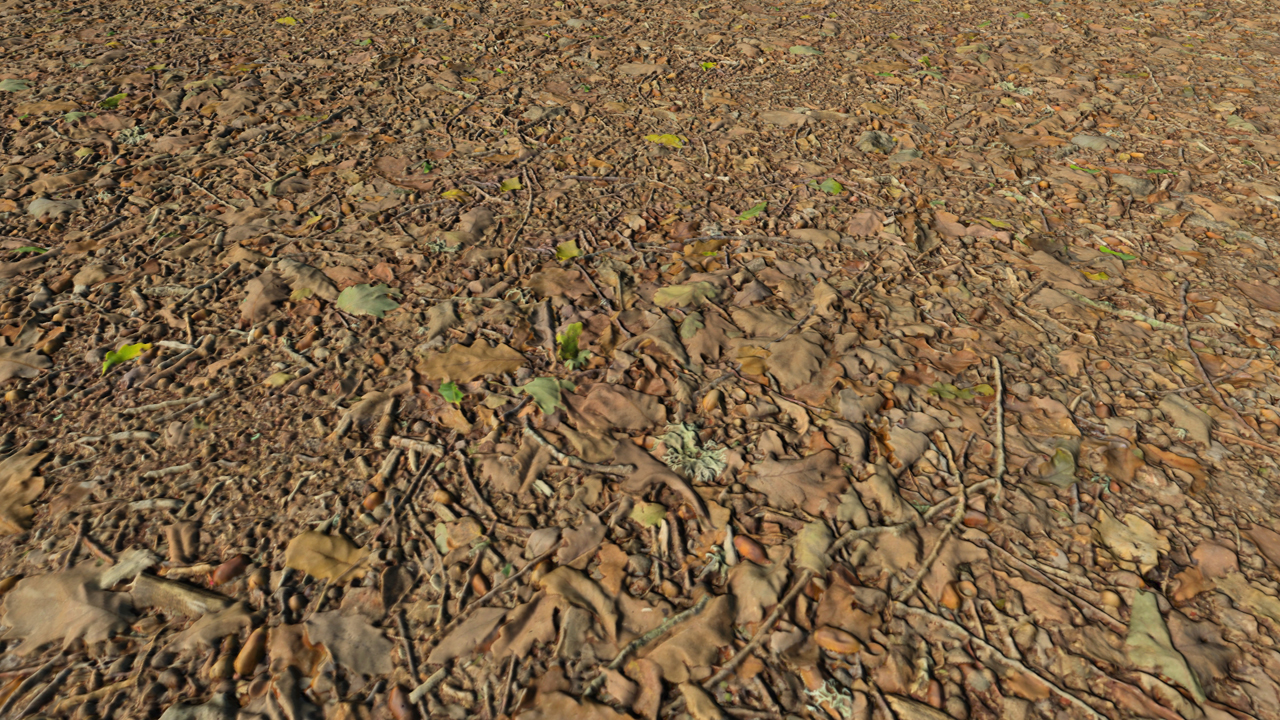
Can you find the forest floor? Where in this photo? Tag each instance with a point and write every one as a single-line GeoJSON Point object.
{"type": "Point", "coordinates": [911, 360]}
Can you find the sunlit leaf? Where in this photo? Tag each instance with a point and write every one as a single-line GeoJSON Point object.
{"type": "Point", "coordinates": [567, 250]}
{"type": "Point", "coordinates": [113, 101]}
{"type": "Point", "coordinates": [510, 184]}
{"type": "Point", "coordinates": [124, 354]}
{"type": "Point", "coordinates": [567, 347]}
{"type": "Point", "coordinates": [672, 141]}
{"type": "Point", "coordinates": [454, 194]}
{"type": "Point", "coordinates": [286, 21]}
{"type": "Point", "coordinates": [755, 210]}
{"type": "Point", "coordinates": [1122, 255]}
{"type": "Point", "coordinates": [451, 392]}
{"type": "Point", "coordinates": [14, 85]}
{"type": "Point", "coordinates": [372, 300]}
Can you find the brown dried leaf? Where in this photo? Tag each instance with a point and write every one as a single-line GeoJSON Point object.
{"type": "Point", "coordinates": [327, 557]}
{"type": "Point", "coordinates": [67, 606]}
{"type": "Point", "coordinates": [261, 296]}
{"type": "Point", "coordinates": [209, 630]}
{"type": "Point", "coordinates": [19, 487]}
{"type": "Point", "coordinates": [813, 483]}
{"type": "Point", "coordinates": [696, 643]}
{"type": "Point", "coordinates": [473, 633]}
{"type": "Point", "coordinates": [462, 364]}
{"type": "Point", "coordinates": [18, 360]}
{"type": "Point", "coordinates": [352, 642]}
{"type": "Point", "coordinates": [620, 408]}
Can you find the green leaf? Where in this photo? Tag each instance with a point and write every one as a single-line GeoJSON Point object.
{"type": "Point", "coordinates": [73, 116]}
{"type": "Point", "coordinates": [567, 250]}
{"type": "Point", "coordinates": [831, 186]}
{"type": "Point", "coordinates": [1023, 15]}
{"type": "Point", "coordinates": [684, 295]}
{"type": "Point", "coordinates": [114, 101]}
{"type": "Point", "coordinates": [708, 66]}
{"type": "Point", "coordinates": [649, 514]}
{"type": "Point", "coordinates": [1060, 470]}
{"type": "Point", "coordinates": [14, 85]}
{"type": "Point", "coordinates": [1122, 255]}
{"type": "Point", "coordinates": [83, 152]}
{"type": "Point", "coordinates": [947, 391]}
{"type": "Point", "coordinates": [31, 249]}
{"type": "Point", "coordinates": [567, 347]}
{"type": "Point", "coordinates": [510, 184]}
{"type": "Point", "coordinates": [124, 354]}
{"type": "Point", "coordinates": [1074, 166]}
{"type": "Point", "coordinates": [545, 391]}
{"type": "Point", "coordinates": [451, 392]}
{"type": "Point", "coordinates": [755, 210]}
{"type": "Point", "coordinates": [286, 21]}
{"type": "Point", "coordinates": [671, 141]}
{"type": "Point", "coordinates": [372, 300]}
{"type": "Point", "coordinates": [364, 43]}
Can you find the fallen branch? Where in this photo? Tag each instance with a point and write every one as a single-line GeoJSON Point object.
{"type": "Point", "coordinates": [998, 441]}
{"type": "Point", "coordinates": [1087, 609]}
{"type": "Point", "coordinates": [579, 463]}
{"type": "Point", "coordinates": [903, 610]}
{"type": "Point", "coordinates": [643, 640]}
{"type": "Point", "coordinates": [480, 601]}
{"type": "Point", "coordinates": [1130, 314]}
{"type": "Point", "coordinates": [1245, 441]}
{"type": "Point", "coordinates": [1204, 374]}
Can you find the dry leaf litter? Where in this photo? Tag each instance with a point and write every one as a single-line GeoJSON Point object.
{"type": "Point", "coordinates": [639, 360]}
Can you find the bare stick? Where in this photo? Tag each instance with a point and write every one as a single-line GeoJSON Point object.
{"type": "Point", "coordinates": [1109, 308]}
{"type": "Point", "coordinates": [195, 406]}
{"type": "Point", "coordinates": [32, 680]}
{"type": "Point", "coordinates": [480, 601]}
{"type": "Point", "coordinates": [903, 610]}
{"type": "Point", "coordinates": [47, 694]}
{"type": "Point", "coordinates": [623, 470]}
{"type": "Point", "coordinates": [528, 210]}
{"type": "Point", "coordinates": [643, 640]}
{"type": "Point", "coordinates": [1086, 608]}
{"type": "Point", "coordinates": [1204, 374]}
{"type": "Point", "coordinates": [998, 440]}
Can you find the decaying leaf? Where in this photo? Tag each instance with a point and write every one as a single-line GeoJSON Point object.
{"type": "Point", "coordinates": [1149, 646]}
{"type": "Point", "coordinates": [813, 483]}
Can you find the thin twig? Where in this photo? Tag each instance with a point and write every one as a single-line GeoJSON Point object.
{"type": "Point", "coordinates": [643, 640]}
{"type": "Point", "coordinates": [483, 599]}
{"type": "Point", "coordinates": [902, 610]}
{"type": "Point", "coordinates": [32, 680]}
{"type": "Point", "coordinates": [579, 463]}
{"type": "Point", "coordinates": [998, 440]}
{"type": "Point", "coordinates": [528, 210]}
{"type": "Point", "coordinates": [1204, 374]}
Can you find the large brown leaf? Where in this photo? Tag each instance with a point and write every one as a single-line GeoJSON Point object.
{"type": "Point", "coordinates": [66, 606]}
{"type": "Point", "coordinates": [19, 360]}
{"type": "Point", "coordinates": [812, 483]}
{"type": "Point", "coordinates": [352, 641]}
{"type": "Point", "coordinates": [328, 557]}
{"type": "Point", "coordinates": [19, 487]}
{"type": "Point", "coordinates": [463, 364]}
